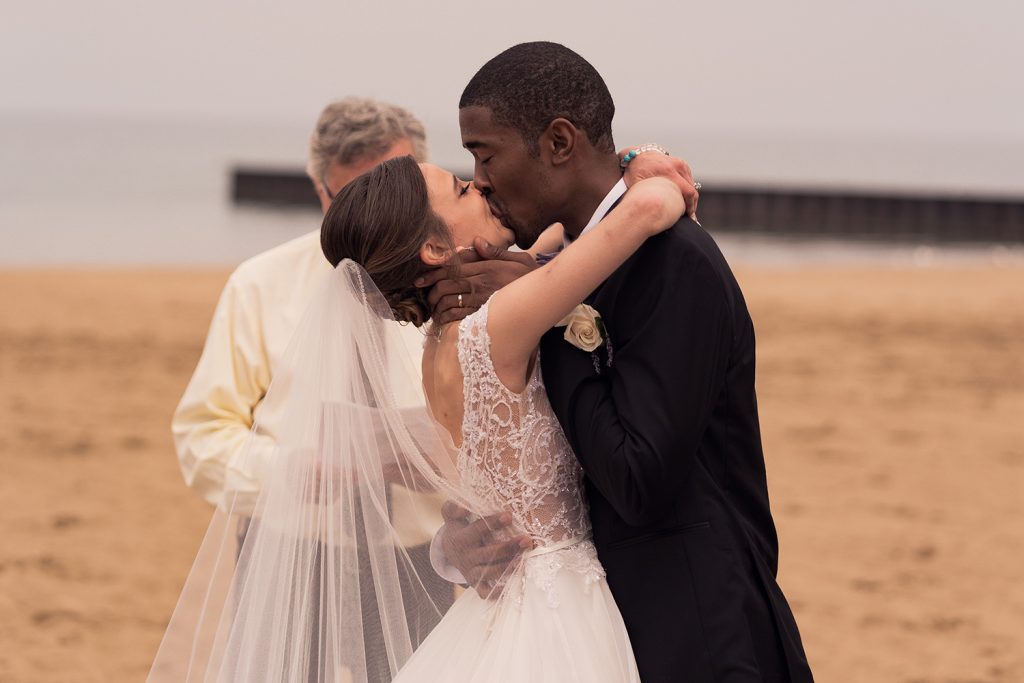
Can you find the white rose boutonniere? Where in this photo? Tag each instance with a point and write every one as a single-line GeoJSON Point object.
{"type": "Point", "coordinates": [583, 328]}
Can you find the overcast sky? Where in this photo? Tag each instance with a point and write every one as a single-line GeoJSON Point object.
{"type": "Point", "coordinates": [938, 72]}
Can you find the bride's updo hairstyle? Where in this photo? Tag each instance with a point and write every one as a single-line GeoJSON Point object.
{"type": "Point", "coordinates": [380, 220]}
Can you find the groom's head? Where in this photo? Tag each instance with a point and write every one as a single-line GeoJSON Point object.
{"type": "Point", "coordinates": [535, 118]}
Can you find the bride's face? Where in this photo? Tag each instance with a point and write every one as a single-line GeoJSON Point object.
{"type": "Point", "coordinates": [461, 206]}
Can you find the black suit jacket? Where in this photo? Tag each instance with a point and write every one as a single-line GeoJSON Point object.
{"type": "Point", "coordinates": [668, 436]}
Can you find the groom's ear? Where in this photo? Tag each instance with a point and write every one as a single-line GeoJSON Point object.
{"type": "Point", "coordinates": [435, 253]}
{"type": "Point", "coordinates": [559, 141]}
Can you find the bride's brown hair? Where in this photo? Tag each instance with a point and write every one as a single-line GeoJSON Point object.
{"type": "Point", "coordinates": [380, 220]}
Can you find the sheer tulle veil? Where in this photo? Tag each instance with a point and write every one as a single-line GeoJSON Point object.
{"type": "Point", "coordinates": [322, 589]}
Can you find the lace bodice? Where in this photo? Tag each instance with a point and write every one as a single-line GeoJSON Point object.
{"type": "Point", "coordinates": [514, 455]}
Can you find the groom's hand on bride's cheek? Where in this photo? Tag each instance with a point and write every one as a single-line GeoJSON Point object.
{"type": "Point", "coordinates": [471, 546]}
{"type": "Point", "coordinates": [483, 270]}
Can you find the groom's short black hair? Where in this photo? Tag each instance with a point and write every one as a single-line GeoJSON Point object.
{"type": "Point", "coordinates": [529, 85]}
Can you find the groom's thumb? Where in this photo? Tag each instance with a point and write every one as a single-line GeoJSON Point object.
{"type": "Point", "coordinates": [487, 250]}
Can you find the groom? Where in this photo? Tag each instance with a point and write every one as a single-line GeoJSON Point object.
{"type": "Point", "coordinates": [663, 417]}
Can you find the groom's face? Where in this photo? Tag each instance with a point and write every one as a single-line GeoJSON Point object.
{"type": "Point", "coordinates": [515, 184]}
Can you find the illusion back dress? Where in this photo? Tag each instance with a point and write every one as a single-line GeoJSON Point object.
{"type": "Point", "coordinates": [555, 619]}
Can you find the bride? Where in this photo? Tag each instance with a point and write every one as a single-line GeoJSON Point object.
{"type": "Point", "coordinates": [322, 589]}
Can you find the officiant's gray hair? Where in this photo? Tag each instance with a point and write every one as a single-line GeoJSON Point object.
{"type": "Point", "coordinates": [358, 128]}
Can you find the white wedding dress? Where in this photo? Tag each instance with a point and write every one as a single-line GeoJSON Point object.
{"type": "Point", "coordinates": [556, 619]}
{"type": "Point", "coordinates": [323, 590]}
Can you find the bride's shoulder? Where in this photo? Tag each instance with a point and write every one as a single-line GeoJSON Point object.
{"type": "Point", "coordinates": [472, 330]}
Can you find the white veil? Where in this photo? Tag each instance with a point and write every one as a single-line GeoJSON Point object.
{"type": "Point", "coordinates": [322, 588]}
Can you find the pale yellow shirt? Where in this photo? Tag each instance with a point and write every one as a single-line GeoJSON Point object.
{"type": "Point", "coordinates": [258, 311]}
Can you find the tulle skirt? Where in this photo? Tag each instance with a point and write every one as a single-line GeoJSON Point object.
{"type": "Point", "coordinates": [556, 621]}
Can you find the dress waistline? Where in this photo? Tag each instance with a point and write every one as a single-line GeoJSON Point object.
{"type": "Point", "coordinates": [560, 545]}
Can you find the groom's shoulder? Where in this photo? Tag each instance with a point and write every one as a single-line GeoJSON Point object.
{"type": "Point", "coordinates": [686, 243]}
{"type": "Point", "coordinates": [683, 258]}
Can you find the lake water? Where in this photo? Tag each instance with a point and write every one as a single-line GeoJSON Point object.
{"type": "Point", "coordinates": [104, 193]}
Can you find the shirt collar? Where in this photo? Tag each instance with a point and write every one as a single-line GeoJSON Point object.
{"type": "Point", "coordinates": [604, 207]}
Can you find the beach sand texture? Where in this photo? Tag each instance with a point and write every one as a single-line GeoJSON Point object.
{"type": "Point", "coordinates": [892, 408]}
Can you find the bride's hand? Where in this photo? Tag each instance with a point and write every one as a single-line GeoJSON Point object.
{"type": "Point", "coordinates": [659, 165]}
{"type": "Point", "coordinates": [657, 203]}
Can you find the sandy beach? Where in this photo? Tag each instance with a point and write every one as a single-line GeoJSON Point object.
{"type": "Point", "coordinates": [891, 407]}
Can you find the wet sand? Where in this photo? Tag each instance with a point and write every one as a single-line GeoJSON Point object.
{"type": "Point", "coordinates": [891, 407]}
